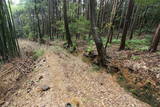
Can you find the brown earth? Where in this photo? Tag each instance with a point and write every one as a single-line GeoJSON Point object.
{"type": "Point", "coordinates": [70, 80]}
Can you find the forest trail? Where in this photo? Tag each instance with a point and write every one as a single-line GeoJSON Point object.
{"type": "Point", "coordinates": [70, 80]}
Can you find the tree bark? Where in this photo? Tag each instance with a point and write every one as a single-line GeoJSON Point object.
{"type": "Point", "coordinates": [68, 35]}
{"type": "Point", "coordinates": [98, 41]}
{"type": "Point", "coordinates": [122, 18]}
{"type": "Point", "coordinates": [133, 23]}
{"type": "Point", "coordinates": [126, 24]}
{"type": "Point", "coordinates": [156, 40]}
{"type": "Point", "coordinates": [38, 22]}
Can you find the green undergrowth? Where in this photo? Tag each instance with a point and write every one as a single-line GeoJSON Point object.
{"type": "Point", "coordinates": [90, 46]}
{"type": "Point", "coordinates": [136, 43]}
{"type": "Point", "coordinates": [158, 52]}
{"type": "Point", "coordinates": [95, 68]}
{"type": "Point", "coordinates": [141, 45]}
{"type": "Point", "coordinates": [135, 58]}
{"type": "Point", "coordinates": [38, 53]}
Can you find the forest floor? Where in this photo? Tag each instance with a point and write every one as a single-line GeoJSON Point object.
{"type": "Point", "coordinates": [57, 78]}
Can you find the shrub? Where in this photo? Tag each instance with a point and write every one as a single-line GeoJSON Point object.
{"type": "Point", "coordinates": [38, 53]}
{"type": "Point", "coordinates": [116, 41]}
{"type": "Point", "coordinates": [90, 45]}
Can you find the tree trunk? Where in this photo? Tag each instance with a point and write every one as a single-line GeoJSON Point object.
{"type": "Point", "coordinates": [126, 24]}
{"type": "Point", "coordinates": [68, 35]}
{"type": "Point", "coordinates": [79, 8]}
{"type": "Point", "coordinates": [133, 23]}
{"type": "Point", "coordinates": [122, 18]}
{"type": "Point", "coordinates": [142, 21]}
{"type": "Point", "coordinates": [156, 40]}
{"type": "Point", "coordinates": [38, 22]}
{"type": "Point", "coordinates": [98, 41]}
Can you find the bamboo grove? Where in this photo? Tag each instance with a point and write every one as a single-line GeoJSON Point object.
{"type": "Point", "coordinates": [8, 43]}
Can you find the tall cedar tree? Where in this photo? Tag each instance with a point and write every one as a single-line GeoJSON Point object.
{"type": "Point", "coordinates": [98, 41]}
{"type": "Point", "coordinates": [68, 35]}
{"type": "Point", "coordinates": [126, 24]}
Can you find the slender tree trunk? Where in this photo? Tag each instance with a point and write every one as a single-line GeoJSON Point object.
{"type": "Point", "coordinates": [49, 16]}
{"type": "Point", "coordinates": [133, 24]}
{"type": "Point", "coordinates": [114, 13]}
{"type": "Point", "coordinates": [156, 40]}
{"type": "Point", "coordinates": [68, 35]}
{"type": "Point", "coordinates": [100, 48]}
{"type": "Point", "coordinates": [38, 23]}
{"type": "Point", "coordinates": [79, 8]}
{"type": "Point", "coordinates": [142, 21]}
{"type": "Point", "coordinates": [126, 24]}
{"type": "Point", "coordinates": [122, 19]}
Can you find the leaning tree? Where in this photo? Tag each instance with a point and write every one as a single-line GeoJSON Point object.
{"type": "Point", "coordinates": [155, 41]}
{"type": "Point", "coordinates": [98, 41]}
{"type": "Point", "coordinates": [8, 43]}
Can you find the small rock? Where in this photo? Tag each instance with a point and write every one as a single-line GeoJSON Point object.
{"type": "Point", "coordinates": [41, 77]}
{"type": "Point", "coordinates": [101, 83]}
{"type": "Point", "coordinates": [158, 76]}
{"type": "Point", "coordinates": [44, 60]}
{"type": "Point", "coordinates": [45, 88]}
{"type": "Point", "coordinates": [68, 105]}
{"type": "Point", "coordinates": [28, 90]}
{"type": "Point", "coordinates": [32, 83]}
{"type": "Point", "coordinates": [133, 105]}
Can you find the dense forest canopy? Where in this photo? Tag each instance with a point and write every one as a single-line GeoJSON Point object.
{"type": "Point", "coordinates": [50, 13]}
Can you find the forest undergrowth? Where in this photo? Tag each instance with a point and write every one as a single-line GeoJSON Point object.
{"type": "Point", "coordinates": [20, 89]}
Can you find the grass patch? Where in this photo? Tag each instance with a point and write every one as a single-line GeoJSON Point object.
{"type": "Point", "coordinates": [95, 68]}
{"type": "Point", "coordinates": [139, 44]}
{"type": "Point", "coordinates": [116, 41]}
{"type": "Point", "coordinates": [38, 53]}
{"type": "Point", "coordinates": [136, 43]}
{"type": "Point", "coordinates": [135, 57]}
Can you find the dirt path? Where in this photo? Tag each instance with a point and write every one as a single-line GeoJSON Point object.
{"type": "Point", "coordinates": [70, 80]}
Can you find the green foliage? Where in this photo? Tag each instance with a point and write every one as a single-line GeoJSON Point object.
{"type": "Point", "coordinates": [31, 35]}
{"type": "Point", "coordinates": [116, 41]}
{"type": "Point", "coordinates": [138, 44]}
{"type": "Point", "coordinates": [135, 57]}
{"type": "Point", "coordinates": [158, 52]}
{"type": "Point", "coordinates": [60, 26]}
{"type": "Point", "coordinates": [90, 46]}
{"type": "Point", "coordinates": [80, 25]}
{"type": "Point", "coordinates": [73, 48]}
{"type": "Point", "coordinates": [95, 68]}
{"type": "Point", "coordinates": [146, 2]}
{"type": "Point", "coordinates": [144, 48]}
{"type": "Point", "coordinates": [38, 53]}
{"type": "Point", "coordinates": [16, 8]}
